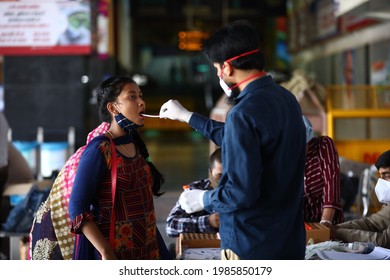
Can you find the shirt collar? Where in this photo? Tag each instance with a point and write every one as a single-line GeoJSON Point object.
{"type": "Point", "coordinates": [258, 83]}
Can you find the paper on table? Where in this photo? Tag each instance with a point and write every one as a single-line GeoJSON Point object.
{"type": "Point", "coordinates": [202, 254]}
{"type": "Point", "coordinates": [379, 253]}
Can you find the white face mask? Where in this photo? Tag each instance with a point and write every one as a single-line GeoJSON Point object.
{"type": "Point", "coordinates": [225, 87]}
{"type": "Point", "coordinates": [382, 190]}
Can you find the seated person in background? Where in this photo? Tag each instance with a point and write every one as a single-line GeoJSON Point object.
{"type": "Point", "coordinates": [179, 221]}
{"type": "Point", "coordinates": [322, 191]}
{"type": "Point", "coordinates": [375, 228]}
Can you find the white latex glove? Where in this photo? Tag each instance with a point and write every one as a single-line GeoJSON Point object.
{"type": "Point", "coordinates": [173, 110]}
{"type": "Point", "coordinates": [192, 201]}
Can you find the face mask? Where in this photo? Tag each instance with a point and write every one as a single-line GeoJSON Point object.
{"type": "Point", "coordinates": [309, 129]}
{"type": "Point", "coordinates": [382, 190]}
{"type": "Point", "coordinates": [225, 87]}
{"type": "Point", "coordinates": [222, 83]}
{"type": "Point", "coordinates": [126, 125]}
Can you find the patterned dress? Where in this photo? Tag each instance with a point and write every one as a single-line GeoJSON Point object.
{"type": "Point", "coordinates": [135, 224]}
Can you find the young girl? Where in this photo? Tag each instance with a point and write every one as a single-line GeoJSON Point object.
{"type": "Point", "coordinates": [136, 235]}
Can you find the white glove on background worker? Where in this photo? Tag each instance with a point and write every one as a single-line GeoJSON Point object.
{"type": "Point", "coordinates": [173, 110]}
{"type": "Point", "coordinates": [192, 201]}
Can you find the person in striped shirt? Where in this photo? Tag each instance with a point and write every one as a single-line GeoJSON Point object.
{"type": "Point", "coordinates": [322, 191]}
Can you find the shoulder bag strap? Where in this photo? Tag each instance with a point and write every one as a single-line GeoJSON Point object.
{"type": "Point", "coordinates": [113, 190]}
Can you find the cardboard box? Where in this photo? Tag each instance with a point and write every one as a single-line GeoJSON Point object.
{"type": "Point", "coordinates": [317, 232]}
{"type": "Point", "coordinates": [197, 240]}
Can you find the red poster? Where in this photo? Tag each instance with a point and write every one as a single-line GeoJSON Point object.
{"type": "Point", "coordinates": [45, 27]}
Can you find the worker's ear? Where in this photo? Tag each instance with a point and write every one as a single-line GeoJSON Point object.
{"type": "Point", "coordinates": [227, 69]}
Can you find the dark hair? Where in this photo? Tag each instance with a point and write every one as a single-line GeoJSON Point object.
{"type": "Point", "coordinates": [108, 91]}
{"type": "Point", "coordinates": [216, 156]}
{"type": "Point", "coordinates": [234, 39]}
{"type": "Point", "coordinates": [383, 161]}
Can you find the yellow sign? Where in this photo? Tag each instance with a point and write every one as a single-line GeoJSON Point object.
{"type": "Point", "coordinates": [192, 40]}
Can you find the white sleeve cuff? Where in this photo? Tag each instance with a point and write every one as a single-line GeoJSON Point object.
{"type": "Point", "coordinates": [201, 199]}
